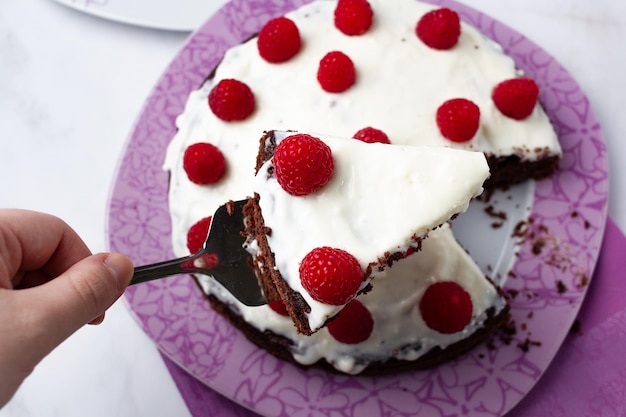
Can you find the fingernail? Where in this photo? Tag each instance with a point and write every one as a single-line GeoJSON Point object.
{"type": "Point", "coordinates": [121, 268]}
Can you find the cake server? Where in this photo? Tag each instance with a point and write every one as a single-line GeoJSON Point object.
{"type": "Point", "coordinates": [223, 257]}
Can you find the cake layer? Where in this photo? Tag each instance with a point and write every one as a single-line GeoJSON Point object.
{"type": "Point", "coordinates": [380, 202]}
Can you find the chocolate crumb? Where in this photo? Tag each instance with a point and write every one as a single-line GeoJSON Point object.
{"type": "Point", "coordinates": [527, 343]}
{"type": "Point", "coordinates": [491, 211]}
{"type": "Point", "coordinates": [511, 293]}
{"type": "Point", "coordinates": [520, 229]}
{"type": "Point", "coordinates": [230, 207]}
{"type": "Point", "coordinates": [562, 288]}
{"type": "Point", "coordinates": [538, 246]}
{"type": "Point", "coordinates": [576, 326]}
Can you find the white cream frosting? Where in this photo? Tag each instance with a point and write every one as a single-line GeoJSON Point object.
{"type": "Point", "coordinates": [378, 199]}
{"type": "Point", "coordinates": [393, 302]}
{"type": "Point", "coordinates": [400, 83]}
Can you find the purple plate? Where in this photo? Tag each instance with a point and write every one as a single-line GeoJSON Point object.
{"type": "Point", "coordinates": [548, 281]}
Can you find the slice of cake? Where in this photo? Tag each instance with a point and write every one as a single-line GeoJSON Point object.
{"type": "Point", "coordinates": [393, 329]}
{"type": "Point", "coordinates": [330, 214]}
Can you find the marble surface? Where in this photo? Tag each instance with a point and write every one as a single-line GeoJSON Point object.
{"type": "Point", "coordinates": [71, 85]}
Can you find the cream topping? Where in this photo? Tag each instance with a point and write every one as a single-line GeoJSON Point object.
{"type": "Point", "coordinates": [378, 198]}
{"type": "Point", "coordinates": [394, 304]}
{"type": "Point", "coordinates": [400, 83]}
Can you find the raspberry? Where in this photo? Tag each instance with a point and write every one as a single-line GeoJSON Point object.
{"type": "Point", "coordinates": [439, 29]}
{"type": "Point", "coordinates": [458, 119]}
{"type": "Point", "coordinates": [353, 17]}
{"type": "Point", "coordinates": [197, 234]}
{"type": "Point", "coordinates": [336, 72]}
{"type": "Point", "coordinates": [446, 307]}
{"type": "Point", "coordinates": [204, 163]}
{"type": "Point", "coordinates": [278, 40]}
{"type": "Point", "coordinates": [353, 324]}
{"type": "Point", "coordinates": [330, 275]}
{"type": "Point", "coordinates": [371, 135]}
{"type": "Point", "coordinates": [231, 100]}
{"type": "Point", "coordinates": [303, 164]}
{"type": "Point", "coordinates": [279, 307]}
{"type": "Point", "coordinates": [516, 98]}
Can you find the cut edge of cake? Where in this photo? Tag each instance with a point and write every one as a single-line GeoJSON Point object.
{"type": "Point", "coordinates": [272, 280]}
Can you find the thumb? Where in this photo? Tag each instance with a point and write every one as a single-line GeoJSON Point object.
{"type": "Point", "coordinates": [80, 295]}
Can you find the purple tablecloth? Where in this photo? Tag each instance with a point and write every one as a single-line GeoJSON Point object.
{"type": "Point", "coordinates": [587, 377]}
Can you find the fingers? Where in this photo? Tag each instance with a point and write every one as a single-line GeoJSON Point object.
{"type": "Point", "coordinates": [56, 309]}
{"type": "Point", "coordinates": [97, 320]}
{"type": "Point", "coordinates": [32, 241]}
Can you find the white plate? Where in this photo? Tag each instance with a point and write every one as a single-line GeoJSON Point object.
{"type": "Point", "coordinates": [180, 15]}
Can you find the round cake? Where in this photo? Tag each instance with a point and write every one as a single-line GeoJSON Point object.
{"type": "Point", "coordinates": [353, 67]}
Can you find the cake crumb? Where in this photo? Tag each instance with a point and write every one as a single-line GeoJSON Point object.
{"type": "Point", "coordinates": [511, 293]}
{"type": "Point", "coordinates": [527, 344]}
{"type": "Point", "coordinates": [491, 212]}
{"type": "Point", "coordinates": [496, 225]}
{"type": "Point", "coordinates": [576, 327]}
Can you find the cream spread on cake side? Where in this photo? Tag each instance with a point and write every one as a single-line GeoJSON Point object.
{"type": "Point", "coordinates": [379, 198]}
{"type": "Point", "coordinates": [393, 302]}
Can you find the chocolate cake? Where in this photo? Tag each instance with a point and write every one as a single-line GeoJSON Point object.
{"type": "Point", "coordinates": [392, 75]}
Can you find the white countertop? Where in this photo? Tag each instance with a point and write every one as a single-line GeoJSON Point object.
{"type": "Point", "coordinates": [71, 85]}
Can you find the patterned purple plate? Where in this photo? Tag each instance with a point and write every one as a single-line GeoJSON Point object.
{"type": "Point", "coordinates": [555, 259]}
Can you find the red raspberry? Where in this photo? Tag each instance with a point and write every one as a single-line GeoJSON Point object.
{"type": "Point", "coordinates": [197, 234]}
{"type": "Point", "coordinates": [458, 119]}
{"type": "Point", "coordinates": [439, 29]}
{"type": "Point", "coordinates": [303, 164]}
{"type": "Point", "coordinates": [278, 40]}
{"type": "Point", "coordinates": [353, 324]}
{"type": "Point", "coordinates": [446, 307]}
{"type": "Point", "coordinates": [330, 275]}
{"type": "Point", "coordinates": [231, 100]}
{"type": "Point", "coordinates": [204, 163]}
{"type": "Point", "coordinates": [371, 135]}
{"type": "Point", "coordinates": [336, 72]}
{"type": "Point", "coordinates": [279, 307]}
{"type": "Point", "coordinates": [516, 98]}
{"type": "Point", "coordinates": [353, 17]}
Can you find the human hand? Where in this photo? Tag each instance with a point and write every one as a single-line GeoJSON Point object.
{"type": "Point", "coordinates": [50, 286]}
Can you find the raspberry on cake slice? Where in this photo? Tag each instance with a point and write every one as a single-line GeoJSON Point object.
{"type": "Point", "coordinates": [329, 214]}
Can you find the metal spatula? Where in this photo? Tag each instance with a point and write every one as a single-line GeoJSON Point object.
{"type": "Point", "coordinates": [222, 257]}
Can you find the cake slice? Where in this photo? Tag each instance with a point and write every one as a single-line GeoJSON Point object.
{"type": "Point", "coordinates": [330, 214]}
{"type": "Point", "coordinates": [403, 336]}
